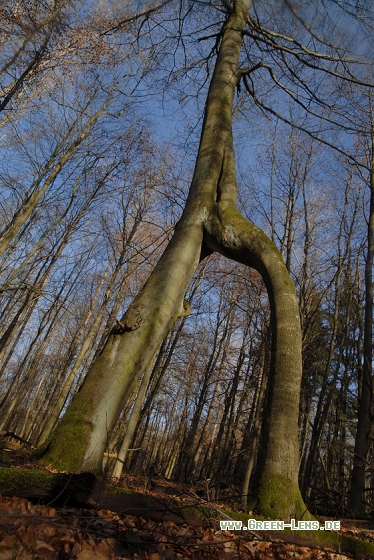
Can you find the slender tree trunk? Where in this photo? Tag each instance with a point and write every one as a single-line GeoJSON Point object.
{"type": "Point", "coordinates": [362, 441]}
{"type": "Point", "coordinates": [208, 420]}
{"type": "Point", "coordinates": [161, 364]}
{"type": "Point", "coordinates": [219, 448]}
{"type": "Point", "coordinates": [30, 406]}
{"type": "Point", "coordinates": [49, 175]}
{"type": "Point", "coordinates": [25, 312]}
{"type": "Point", "coordinates": [179, 437]}
{"type": "Point", "coordinates": [256, 428]}
{"type": "Point", "coordinates": [186, 465]}
{"type": "Point", "coordinates": [322, 407]}
{"type": "Point", "coordinates": [132, 423]}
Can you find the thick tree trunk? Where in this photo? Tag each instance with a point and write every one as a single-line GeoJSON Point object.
{"type": "Point", "coordinates": [210, 222]}
{"type": "Point", "coordinates": [90, 335]}
{"type": "Point", "coordinates": [92, 331]}
{"type": "Point", "coordinates": [80, 438]}
{"type": "Point", "coordinates": [238, 239]}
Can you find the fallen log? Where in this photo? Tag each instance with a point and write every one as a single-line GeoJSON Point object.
{"type": "Point", "coordinates": [88, 491]}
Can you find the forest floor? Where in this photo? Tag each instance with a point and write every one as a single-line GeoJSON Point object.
{"type": "Point", "coordinates": [45, 531]}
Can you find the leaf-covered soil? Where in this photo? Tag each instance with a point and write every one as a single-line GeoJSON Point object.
{"type": "Point", "coordinates": [31, 531]}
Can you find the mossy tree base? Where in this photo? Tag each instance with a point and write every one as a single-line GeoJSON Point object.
{"type": "Point", "coordinates": [65, 448]}
{"type": "Point", "coordinates": [280, 498]}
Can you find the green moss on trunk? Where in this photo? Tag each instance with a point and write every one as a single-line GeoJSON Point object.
{"type": "Point", "coordinates": [280, 498]}
{"type": "Point", "coordinates": [18, 480]}
{"type": "Point", "coordinates": [65, 448]}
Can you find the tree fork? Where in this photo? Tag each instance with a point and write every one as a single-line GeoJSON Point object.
{"type": "Point", "coordinates": [210, 220]}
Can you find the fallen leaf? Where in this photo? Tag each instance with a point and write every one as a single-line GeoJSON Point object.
{"type": "Point", "coordinates": [49, 511]}
{"type": "Point", "coordinates": [44, 550]}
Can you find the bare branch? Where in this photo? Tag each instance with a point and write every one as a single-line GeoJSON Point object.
{"type": "Point", "coordinates": [131, 19]}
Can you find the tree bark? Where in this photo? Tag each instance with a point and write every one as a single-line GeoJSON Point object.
{"type": "Point", "coordinates": [362, 441]}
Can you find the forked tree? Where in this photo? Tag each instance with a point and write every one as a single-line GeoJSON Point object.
{"type": "Point", "coordinates": [210, 222]}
